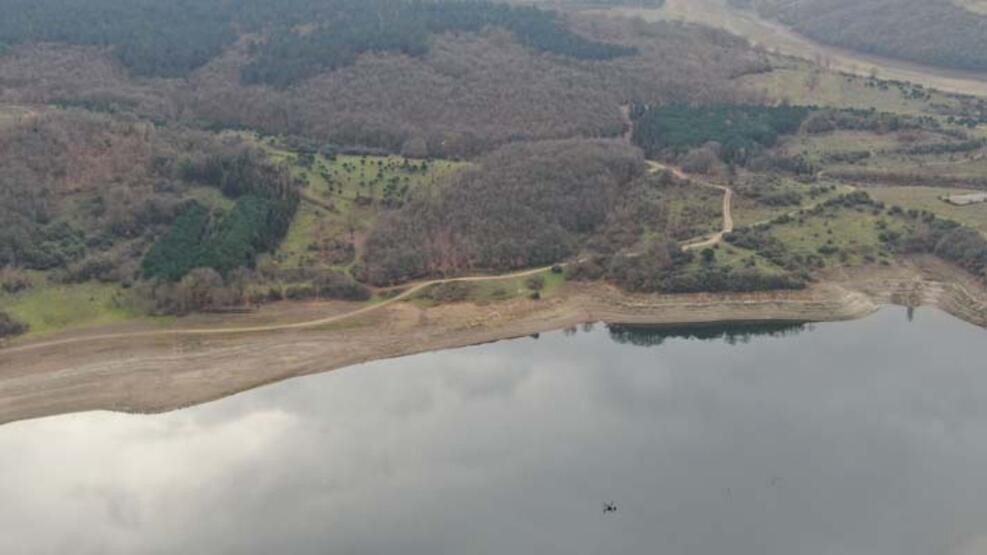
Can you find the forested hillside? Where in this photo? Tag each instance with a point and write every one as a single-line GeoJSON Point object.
{"type": "Point", "coordinates": [83, 196]}
{"type": "Point", "coordinates": [298, 38]}
{"type": "Point", "coordinates": [740, 132]}
{"type": "Point", "coordinates": [525, 205]}
{"type": "Point", "coordinates": [469, 93]}
{"type": "Point", "coordinates": [174, 156]}
{"type": "Point", "coordinates": [935, 32]}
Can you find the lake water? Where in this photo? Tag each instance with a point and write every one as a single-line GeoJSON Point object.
{"type": "Point", "coordinates": [866, 437]}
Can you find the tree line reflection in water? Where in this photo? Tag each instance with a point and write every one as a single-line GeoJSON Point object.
{"type": "Point", "coordinates": [731, 333]}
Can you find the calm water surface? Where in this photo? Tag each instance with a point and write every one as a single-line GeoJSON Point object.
{"type": "Point", "coordinates": [865, 437]}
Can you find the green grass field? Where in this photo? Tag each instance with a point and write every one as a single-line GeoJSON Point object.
{"type": "Point", "coordinates": [929, 198]}
{"type": "Point", "coordinates": [484, 292]}
{"type": "Point", "coordinates": [737, 258]}
{"type": "Point", "coordinates": [349, 193]}
{"type": "Point", "coordinates": [816, 146]}
{"type": "Point", "coordinates": [800, 83]}
{"type": "Point", "coordinates": [54, 308]}
{"type": "Point", "coordinates": [841, 236]}
{"type": "Point", "coordinates": [749, 211]}
{"type": "Point", "coordinates": [692, 211]}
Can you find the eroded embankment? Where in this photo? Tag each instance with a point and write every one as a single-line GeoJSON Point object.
{"type": "Point", "coordinates": [162, 372]}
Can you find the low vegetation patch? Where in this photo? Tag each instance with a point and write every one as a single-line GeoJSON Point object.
{"type": "Point", "coordinates": [10, 327]}
{"type": "Point", "coordinates": [49, 308]}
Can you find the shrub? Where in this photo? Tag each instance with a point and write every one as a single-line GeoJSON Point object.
{"type": "Point", "coordinates": [10, 327]}
{"type": "Point", "coordinates": [335, 285]}
{"type": "Point", "coordinates": [449, 292]}
{"type": "Point", "coordinates": [535, 283]}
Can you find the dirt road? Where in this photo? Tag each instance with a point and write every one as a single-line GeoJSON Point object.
{"type": "Point", "coordinates": [727, 221]}
{"type": "Point", "coordinates": [407, 293]}
{"type": "Point", "coordinates": [715, 239]}
{"type": "Point", "coordinates": [411, 290]}
{"type": "Point", "coordinates": [155, 374]}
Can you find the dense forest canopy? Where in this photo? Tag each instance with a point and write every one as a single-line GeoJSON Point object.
{"type": "Point", "coordinates": [741, 131]}
{"type": "Point", "coordinates": [296, 38]}
{"type": "Point", "coordinates": [83, 196]}
{"type": "Point", "coordinates": [352, 28]}
{"type": "Point", "coordinates": [266, 201]}
{"type": "Point", "coordinates": [386, 100]}
{"type": "Point", "coordinates": [936, 32]}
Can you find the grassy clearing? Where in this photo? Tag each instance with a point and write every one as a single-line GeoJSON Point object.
{"type": "Point", "coordinates": [735, 257]}
{"type": "Point", "coordinates": [817, 146]}
{"type": "Point", "coordinates": [966, 165]}
{"type": "Point", "coordinates": [485, 292]}
{"type": "Point", "coordinates": [351, 192]}
{"type": "Point", "coordinates": [691, 211]}
{"type": "Point", "coordinates": [928, 198]}
{"type": "Point", "coordinates": [801, 83]}
{"type": "Point", "coordinates": [307, 229]}
{"type": "Point", "coordinates": [840, 236]}
{"type": "Point", "coordinates": [372, 178]}
{"type": "Point", "coordinates": [53, 308]}
{"type": "Point", "coordinates": [749, 211]}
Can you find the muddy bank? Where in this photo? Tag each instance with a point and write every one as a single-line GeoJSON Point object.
{"type": "Point", "coordinates": [159, 373]}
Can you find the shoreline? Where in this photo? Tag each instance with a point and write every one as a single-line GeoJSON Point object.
{"type": "Point", "coordinates": [159, 373]}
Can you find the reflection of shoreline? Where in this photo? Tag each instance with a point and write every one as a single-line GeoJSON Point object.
{"type": "Point", "coordinates": [730, 332]}
{"type": "Point", "coordinates": [162, 373]}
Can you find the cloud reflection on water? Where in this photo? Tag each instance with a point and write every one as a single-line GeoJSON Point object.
{"type": "Point", "coordinates": [860, 437]}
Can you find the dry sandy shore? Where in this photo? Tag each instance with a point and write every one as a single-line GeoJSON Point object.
{"type": "Point", "coordinates": [157, 373]}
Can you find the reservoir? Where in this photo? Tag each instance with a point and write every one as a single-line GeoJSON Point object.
{"type": "Point", "coordinates": [863, 437]}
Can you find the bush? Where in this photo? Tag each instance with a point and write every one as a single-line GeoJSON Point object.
{"type": "Point", "coordinates": [10, 327]}
{"type": "Point", "coordinates": [535, 283]}
{"type": "Point", "coordinates": [449, 292]}
{"type": "Point", "coordinates": [341, 286]}
{"type": "Point", "coordinates": [13, 281]}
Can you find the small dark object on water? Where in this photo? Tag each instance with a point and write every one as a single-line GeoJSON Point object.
{"type": "Point", "coordinates": [609, 508]}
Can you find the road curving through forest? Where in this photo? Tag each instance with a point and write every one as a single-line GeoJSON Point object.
{"type": "Point", "coordinates": [715, 239]}
{"type": "Point", "coordinates": [411, 290]}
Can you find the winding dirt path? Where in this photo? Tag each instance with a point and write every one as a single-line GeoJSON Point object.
{"type": "Point", "coordinates": [412, 289]}
{"type": "Point", "coordinates": [409, 292]}
{"type": "Point", "coordinates": [727, 221]}
{"type": "Point", "coordinates": [701, 243]}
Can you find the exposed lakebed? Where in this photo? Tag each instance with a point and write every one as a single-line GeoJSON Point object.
{"type": "Point", "coordinates": [854, 437]}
